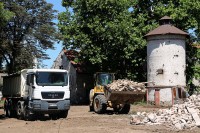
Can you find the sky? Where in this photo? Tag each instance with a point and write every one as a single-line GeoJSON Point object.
{"type": "Point", "coordinates": [58, 46]}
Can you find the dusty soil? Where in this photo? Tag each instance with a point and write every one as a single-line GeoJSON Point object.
{"type": "Point", "coordinates": [80, 120]}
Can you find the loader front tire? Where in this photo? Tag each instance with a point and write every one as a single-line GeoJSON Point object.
{"type": "Point", "coordinates": [91, 108]}
{"type": "Point", "coordinates": [100, 104]}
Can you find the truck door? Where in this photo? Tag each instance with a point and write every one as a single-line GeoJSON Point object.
{"type": "Point", "coordinates": [30, 84]}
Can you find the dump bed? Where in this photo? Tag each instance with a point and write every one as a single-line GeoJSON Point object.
{"type": "Point", "coordinates": [14, 85]}
{"type": "Point", "coordinates": [121, 97]}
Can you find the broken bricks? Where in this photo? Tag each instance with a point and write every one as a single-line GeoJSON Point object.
{"type": "Point", "coordinates": [126, 85]}
{"type": "Point", "coordinates": [179, 116]}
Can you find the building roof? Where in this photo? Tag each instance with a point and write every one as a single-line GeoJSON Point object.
{"type": "Point", "coordinates": [166, 28]}
{"type": "Point", "coordinates": [71, 55]}
{"type": "Point", "coordinates": [165, 18]}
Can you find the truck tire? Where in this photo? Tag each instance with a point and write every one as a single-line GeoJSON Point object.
{"type": "Point", "coordinates": [54, 116]}
{"type": "Point", "coordinates": [6, 108]}
{"type": "Point", "coordinates": [63, 114]}
{"type": "Point", "coordinates": [27, 114]}
{"type": "Point", "coordinates": [100, 104]}
{"type": "Point", "coordinates": [20, 111]}
{"type": "Point", "coordinates": [9, 112]}
{"type": "Point", "coordinates": [125, 109]}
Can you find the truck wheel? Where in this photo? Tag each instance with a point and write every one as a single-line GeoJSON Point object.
{"type": "Point", "coordinates": [63, 114]}
{"type": "Point", "coordinates": [8, 111]}
{"type": "Point", "coordinates": [27, 114]}
{"type": "Point", "coordinates": [125, 109]}
{"type": "Point", "coordinates": [100, 104]}
{"type": "Point", "coordinates": [54, 116]}
{"type": "Point", "coordinates": [6, 108]}
{"type": "Point", "coordinates": [20, 111]}
{"type": "Point", "coordinates": [38, 116]}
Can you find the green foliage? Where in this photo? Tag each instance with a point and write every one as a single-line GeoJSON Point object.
{"type": "Point", "coordinates": [196, 66]}
{"type": "Point", "coordinates": [110, 34]}
{"type": "Point", "coordinates": [5, 15]}
{"type": "Point", "coordinates": [185, 17]}
{"type": "Point", "coordinates": [27, 34]}
{"type": "Point", "coordinates": [104, 31]}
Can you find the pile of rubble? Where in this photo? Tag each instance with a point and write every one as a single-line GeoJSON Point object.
{"type": "Point", "coordinates": [126, 85]}
{"type": "Point", "coordinates": [179, 116]}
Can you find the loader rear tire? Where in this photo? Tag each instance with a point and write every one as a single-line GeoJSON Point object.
{"type": "Point", "coordinates": [125, 109]}
{"type": "Point", "coordinates": [100, 104]}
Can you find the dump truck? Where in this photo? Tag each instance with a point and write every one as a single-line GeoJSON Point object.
{"type": "Point", "coordinates": [35, 92]}
{"type": "Point", "coordinates": [119, 97]}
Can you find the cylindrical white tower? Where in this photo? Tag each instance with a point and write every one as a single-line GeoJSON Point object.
{"type": "Point", "coordinates": [166, 61]}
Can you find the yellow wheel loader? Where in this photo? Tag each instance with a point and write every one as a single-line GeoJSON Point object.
{"type": "Point", "coordinates": [101, 97]}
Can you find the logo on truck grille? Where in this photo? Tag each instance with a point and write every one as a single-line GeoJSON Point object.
{"type": "Point", "coordinates": [52, 95]}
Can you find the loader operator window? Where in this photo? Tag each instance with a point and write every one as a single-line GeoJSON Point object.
{"type": "Point", "coordinates": [104, 79]}
{"type": "Point", "coordinates": [51, 79]}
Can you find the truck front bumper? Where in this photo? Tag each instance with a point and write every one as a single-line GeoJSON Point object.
{"type": "Point", "coordinates": [46, 106]}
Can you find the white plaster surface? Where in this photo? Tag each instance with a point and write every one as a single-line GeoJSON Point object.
{"type": "Point", "coordinates": [166, 52]}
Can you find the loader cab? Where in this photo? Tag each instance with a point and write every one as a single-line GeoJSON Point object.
{"type": "Point", "coordinates": [101, 79]}
{"type": "Point", "coordinates": [104, 78]}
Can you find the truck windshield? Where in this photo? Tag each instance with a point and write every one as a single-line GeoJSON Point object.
{"type": "Point", "coordinates": [52, 79]}
{"type": "Point", "coordinates": [104, 79]}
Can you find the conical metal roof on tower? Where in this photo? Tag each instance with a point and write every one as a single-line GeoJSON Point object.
{"type": "Point", "coordinates": [166, 28]}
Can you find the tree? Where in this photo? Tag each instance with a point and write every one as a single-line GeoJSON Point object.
{"type": "Point", "coordinates": [4, 17]}
{"type": "Point", "coordinates": [105, 34]}
{"type": "Point", "coordinates": [28, 33]}
{"type": "Point", "coordinates": [185, 17]}
{"type": "Point", "coordinates": [110, 33]}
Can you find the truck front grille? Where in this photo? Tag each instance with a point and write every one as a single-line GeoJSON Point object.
{"type": "Point", "coordinates": [52, 95]}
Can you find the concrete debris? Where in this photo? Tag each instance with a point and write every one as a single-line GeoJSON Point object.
{"type": "Point", "coordinates": [179, 116]}
{"type": "Point", "coordinates": [152, 117]}
{"type": "Point", "coordinates": [126, 85]}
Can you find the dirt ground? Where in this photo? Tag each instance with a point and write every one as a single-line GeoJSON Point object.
{"type": "Point", "coordinates": [80, 120]}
